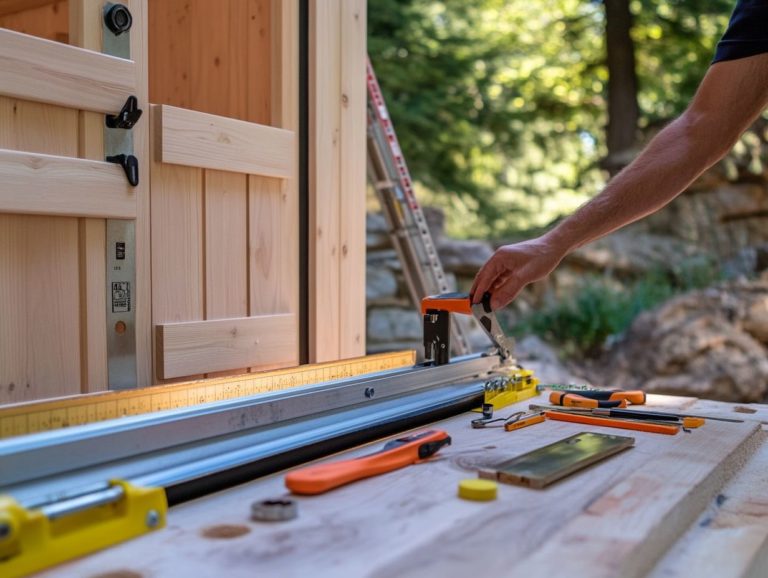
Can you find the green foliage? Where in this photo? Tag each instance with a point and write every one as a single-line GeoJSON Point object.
{"type": "Point", "coordinates": [601, 308]}
{"type": "Point", "coordinates": [500, 104]}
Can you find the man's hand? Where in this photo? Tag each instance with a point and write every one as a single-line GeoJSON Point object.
{"type": "Point", "coordinates": [512, 267]}
{"type": "Point", "coordinates": [730, 97]}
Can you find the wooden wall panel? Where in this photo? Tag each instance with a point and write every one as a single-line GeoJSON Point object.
{"type": "Point", "coordinates": [45, 19]}
{"type": "Point", "coordinates": [228, 73]}
{"type": "Point", "coordinates": [337, 179]}
{"type": "Point", "coordinates": [39, 284]}
{"type": "Point", "coordinates": [324, 180]}
{"type": "Point", "coordinates": [39, 298]}
{"type": "Point", "coordinates": [353, 161]}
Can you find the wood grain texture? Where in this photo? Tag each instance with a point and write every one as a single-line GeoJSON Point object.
{"type": "Point", "coordinates": [141, 148]}
{"type": "Point", "coordinates": [219, 345]}
{"type": "Point", "coordinates": [228, 74]}
{"type": "Point", "coordinates": [352, 321]}
{"type": "Point", "coordinates": [226, 247]}
{"type": "Point", "coordinates": [177, 243]}
{"type": "Point", "coordinates": [14, 6]}
{"type": "Point", "coordinates": [52, 185]}
{"type": "Point", "coordinates": [85, 31]}
{"type": "Point", "coordinates": [203, 140]}
{"type": "Point", "coordinates": [42, 18]}
{"type": "Point", "coordinates": [324, 180]}
{"type": "Point", "coordinates": [39, 339]}
{"type": "Point", "coordinates": [42, 70]}
{"type": "Point", "coordinates": [410, 522]}
{"type": "Point", "coordinates": [39, 332]}
{"type": "Point", "coordinates": [730, 539]}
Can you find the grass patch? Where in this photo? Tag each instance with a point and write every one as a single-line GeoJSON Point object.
{"type": "Point", "coordinates": [601, 309]}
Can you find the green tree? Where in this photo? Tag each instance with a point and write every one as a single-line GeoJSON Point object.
{"type": "Point", "coordinates": [500, 105]}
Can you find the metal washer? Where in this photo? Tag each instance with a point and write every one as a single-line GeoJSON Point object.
{"type": "Point", "coordinates": [274, 510]}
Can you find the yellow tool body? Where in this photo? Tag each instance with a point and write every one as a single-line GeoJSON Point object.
{"type": "Point", "coordinates": [33, 541]}
{"type": "Point", "coordinates": [519, 384]}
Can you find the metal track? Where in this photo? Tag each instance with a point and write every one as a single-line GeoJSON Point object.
{"type": "Point", "coordinates": [410, 235]}
{"type": "Point", "coordinates": [66, 469]}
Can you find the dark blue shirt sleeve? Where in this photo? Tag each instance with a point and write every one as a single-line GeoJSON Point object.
{"type": "Point", "coordinates": [747, 33]}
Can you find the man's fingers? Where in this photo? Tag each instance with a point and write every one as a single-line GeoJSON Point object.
{"type": "Point", "coordinates": [484, 280]}
{"type": "Point", "coordinates": [502, 296]}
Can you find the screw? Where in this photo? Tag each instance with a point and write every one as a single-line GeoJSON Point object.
{"type": "Point", "coordinates": [118, 19]}
{"type": "Point", "coordinates": [153, 519]}
{"type": "Point", "coordinates": [5, 530]}
{"type": "Point", "coordinates": [369, 392]}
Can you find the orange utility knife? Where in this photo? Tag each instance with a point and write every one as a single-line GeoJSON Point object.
{"type": "Point", "coordinates": [395, 454]}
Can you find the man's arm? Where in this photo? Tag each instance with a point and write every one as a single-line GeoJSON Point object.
{"type": "Point", "coordinates": [729, 99]}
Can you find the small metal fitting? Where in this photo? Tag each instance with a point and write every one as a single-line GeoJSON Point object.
{"type": "Point", "coordinates": [274, 510]}
{"type": "Point", "coordinates": [370, 392]}
{"type": "Point", "coordinates": [153, 519]}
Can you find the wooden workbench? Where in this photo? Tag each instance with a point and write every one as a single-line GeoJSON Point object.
{"type": "Point", "coordinates": [673, 506]}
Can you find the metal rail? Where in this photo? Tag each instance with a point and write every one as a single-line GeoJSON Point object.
{"type": "Point", "coordinates": [64, 469]}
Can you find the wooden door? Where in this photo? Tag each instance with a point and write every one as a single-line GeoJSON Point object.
{"type": "Point", "coordinates": [224, 196]}
{"type": "Point", "coordinates": [57, 192]}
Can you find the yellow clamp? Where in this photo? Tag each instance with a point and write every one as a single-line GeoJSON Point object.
{"type": "Point", "coordinates": [30, 541]}
{"type": "Point", "coordinates": [517, 385]}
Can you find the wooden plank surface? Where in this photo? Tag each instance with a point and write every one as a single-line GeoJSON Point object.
{"type": "Point", "coordinates": [39, 299]}
{"type": "Point", "coordinates": [42, 70]}
{"type": "Point", "coordinates": [224, 344]}
{"type": "Point", "coordinates": [203, 140]}
{"type": "Point", "coordinates": [353, 179]}
{"type": "Point", "coordinates": [177, 243]}
{"type": "Point", "coordinates": [44, 18]}
{"type": "Point", "coordinates": [13, 6]}
{"type": "Point", "coordinates": [324, 179]}
{"type": "Point", "coordinates": [411, 523]}
{"type": "Point", "coordinates": [731, 535]}
{"type": "Point", "coordinates": [52, 185]}
{"type": "Point", "coordinates": [85, 27]}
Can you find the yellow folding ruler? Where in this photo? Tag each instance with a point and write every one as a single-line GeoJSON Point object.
{"type": "Point", "coordinates": [35, 416]}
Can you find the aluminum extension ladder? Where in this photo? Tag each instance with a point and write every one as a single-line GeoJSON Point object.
{"type": "Point", "coordinates": [410, 235]}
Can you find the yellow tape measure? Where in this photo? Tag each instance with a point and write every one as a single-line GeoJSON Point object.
{"type": "Point", "coordinates": [36, 416]}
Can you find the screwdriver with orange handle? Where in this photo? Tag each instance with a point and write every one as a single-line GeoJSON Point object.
{"type": "Point", "coordinates": [579, 400]}
{"type": "Point", "coordinates": [395, 454]}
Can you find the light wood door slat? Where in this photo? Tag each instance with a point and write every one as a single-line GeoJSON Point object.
{"type": "Point", "coordinates": [36, 69]}
{"type": "Point", "coordinates": [222, 344]}
{"type": "Point", "coordinates": [52, 185]}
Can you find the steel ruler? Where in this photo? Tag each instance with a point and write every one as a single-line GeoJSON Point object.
{"type": "Point", "coordinates": [37, 416]}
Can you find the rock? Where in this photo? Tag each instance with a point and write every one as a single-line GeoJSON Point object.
{"type": "Point", "coordinates": [463, 257]}
{"type": "Point", "coordinates": [709, 343]}
{"type": "Point", "coordinates": [390, 324]}
{"type": "Point", "coordinates": [380, 283]}
{"type": "Point", "coordinates": [634, 253]}
{"type": "Point", "coordinates": [535, 354]}
{"type": "Point", "coordinates": [435, 217]}
{"type": "Point", "coordinates": [376, 231]}
{"type": "Point", "coordinates": [384, 258]}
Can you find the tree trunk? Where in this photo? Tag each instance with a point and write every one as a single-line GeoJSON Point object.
{"type": "Point", "coordinates": [623, 110]}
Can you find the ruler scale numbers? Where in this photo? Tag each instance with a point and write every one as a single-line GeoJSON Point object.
{"type": "Point", "coordinates": [45, 415]}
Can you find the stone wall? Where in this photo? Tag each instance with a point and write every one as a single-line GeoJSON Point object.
{"type": "Point", "coordinates": [394, 322]}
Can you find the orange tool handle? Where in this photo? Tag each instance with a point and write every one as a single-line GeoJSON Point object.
{"type": "Point", "coordinates": [576, 400]}
{"type": "Point", "coordinates": [323, 477]}
{"type": "Point", "coordinates": [520, 424]}
{"type": "Point", "coordinates": [608, 422]}
{"type": "Point", "coordinates": [451, 302]}
{"type": "Point", "coordinates": [635, 397]}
